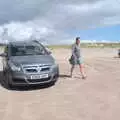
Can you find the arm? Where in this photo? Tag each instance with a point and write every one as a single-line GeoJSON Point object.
{"type": "Point", "coordinates": [73, 51]}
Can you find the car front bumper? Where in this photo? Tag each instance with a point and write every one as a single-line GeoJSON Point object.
{"type": "Point", "coordinates": [25, 79]}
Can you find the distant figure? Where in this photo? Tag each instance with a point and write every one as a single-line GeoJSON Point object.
{"type": "Point", "coordinates": [76, 58]}
{"type": "Point", "coordinates": [119, 53]}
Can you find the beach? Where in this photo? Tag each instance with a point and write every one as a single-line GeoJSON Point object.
{"type": "Point", "coordinates": [95, 98]}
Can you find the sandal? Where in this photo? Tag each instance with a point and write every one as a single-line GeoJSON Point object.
{"type": "Point", "coordinates": [84, 77]}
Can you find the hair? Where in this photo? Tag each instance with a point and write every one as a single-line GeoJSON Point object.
{"type": "Point", "coordinates": [77, 38]}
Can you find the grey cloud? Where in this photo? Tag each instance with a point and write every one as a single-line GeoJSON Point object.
{"type": "Point", "coordinates": [77, 2]}
{"type": "Point", "coordinates": [74, 17]}
{"type": "Point", "coordinates": [54, 18]}
{"type": "Point", "coordinates": [22, 10]}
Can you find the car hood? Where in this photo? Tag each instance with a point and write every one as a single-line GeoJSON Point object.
{"type": "Point", "coordinates": [36, 59]}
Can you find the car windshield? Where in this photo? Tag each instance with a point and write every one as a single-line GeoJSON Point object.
{"type": "Point", "coordinates": [24, 50]}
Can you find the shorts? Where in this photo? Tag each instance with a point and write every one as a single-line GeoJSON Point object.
{"type": "Point", "coordinates": [80, 61]}
{"type": "Point", "coordinates": [75, 61]}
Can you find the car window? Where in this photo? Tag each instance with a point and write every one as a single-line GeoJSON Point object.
{"type": "Point", "coordinates": [6, 49]}
{"type": "Point", "coordinates": [18, 50]}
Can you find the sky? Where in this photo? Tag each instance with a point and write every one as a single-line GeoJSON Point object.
{"type": "Point", "coordinates": [60, 21]}
{"type": "Point", "coordinates": [100, 34]}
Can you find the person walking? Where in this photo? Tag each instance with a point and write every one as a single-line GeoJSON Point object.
{"type": "Point", "coordinates": [76, 58]}
{"type": "Point", "coordinates": [119, 53]}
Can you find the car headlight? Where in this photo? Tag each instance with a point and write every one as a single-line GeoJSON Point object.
{"type": "Point", "coordinates": [54, 67]}
{"type": "Point", "coordinates": [15, 67]}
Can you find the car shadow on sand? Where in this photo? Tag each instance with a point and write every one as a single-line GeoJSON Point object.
{"type": "Point", "coordinates": [23, 88]}
{"type": "Point", "coordinates": [116, 57]}
{"type": "Point", "coordinates": [64, 76]}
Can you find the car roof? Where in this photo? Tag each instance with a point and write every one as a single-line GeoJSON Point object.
{"type": "Point", "coordinates": [18, 43]}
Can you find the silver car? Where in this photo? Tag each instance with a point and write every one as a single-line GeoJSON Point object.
{"type": "Point", "coordinates": [28, 63]}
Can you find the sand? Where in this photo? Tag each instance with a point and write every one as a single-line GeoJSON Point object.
{"type": "Point", "coordinates": [96, 98]}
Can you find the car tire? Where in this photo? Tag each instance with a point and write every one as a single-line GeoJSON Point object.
{"type": "Point", "coordinates": [55, 80]}
{"type": "Point", "coordinates": [52, 83]}
{"type": "Point", "coordinates": [7, 79]}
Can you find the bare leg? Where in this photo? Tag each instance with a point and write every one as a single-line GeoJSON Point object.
{"type": "Point", "coordinates": [82, 71]}
{"type": "Point", "coordinates": [72, 68]}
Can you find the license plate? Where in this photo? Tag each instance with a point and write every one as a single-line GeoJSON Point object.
{"type": "Point", "coordinates": [39, 76]}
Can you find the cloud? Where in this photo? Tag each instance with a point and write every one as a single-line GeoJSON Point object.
{"type": "Point", "coordinates": [82, 16]}
{"type": "Point", "coordinates": [24, 31]}
{"type": "Point", "coordinates": [53, 19]}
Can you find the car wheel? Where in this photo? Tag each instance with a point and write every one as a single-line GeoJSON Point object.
{"type": "Point", "coordinates": [52, 83]}
{"type": "Point", "coordinates": [7, 79]}
{"type": "Point", "coordinates": [55, 80]}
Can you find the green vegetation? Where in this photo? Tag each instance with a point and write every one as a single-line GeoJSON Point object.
{"type": "Point", "coordinates": [83, 45]}
{"type": "Point", "coordinates": [88, 45]}
{"type": "Point", "coordinates": [59, 46]}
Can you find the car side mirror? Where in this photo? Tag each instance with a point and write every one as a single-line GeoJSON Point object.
{"type": "Point", "coordinates": [3, 55]}
{"type": "Point", "coordinates": [49, 52]}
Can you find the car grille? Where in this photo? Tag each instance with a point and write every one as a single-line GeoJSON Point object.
{"type": "Point", "coordinates": [36, 68]}
{"type": "Point", "coordinates": [16, 80]}
{"type": "Point", "coordinates": [45, 69]}
{"type": "Point", "coordinates": [39, 80]}
{"type": "Point", "coordinates": [31, 70]}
